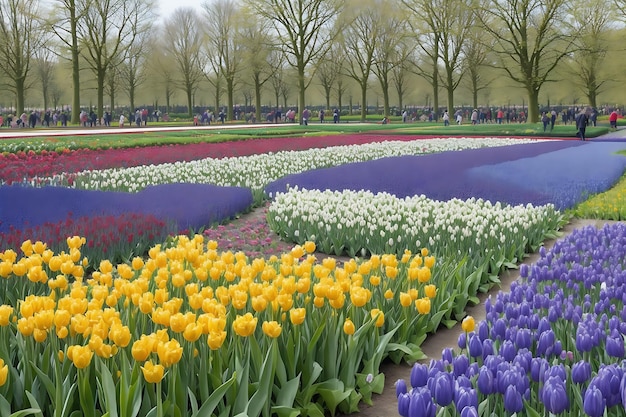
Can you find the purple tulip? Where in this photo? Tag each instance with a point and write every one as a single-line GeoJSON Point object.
{"type": "Point", "coordinates": [545, 346]}
{"type": "Point", "coordinates": [487, 348]}
{"type": "Point", "coordinates": [615, 345]}
{"type": "Point", "coordinates": [419, 375]}
{"type": "Point", "coordinates": [554, 395]}
{"type": "Point", "coordinates": [483, 330]}
{"type": "Point", "coordinates": [465, 397]}
{"type": "Point", "coordinates": [593, 402]}
{"type": "Point", "coordinates": [401, 387]}
{"type": "Point", "coordinates": [421, 404]}
{"type": "Point", "coordinates": [485, 381]}
{"type": "Point", "coordinates": [523, 339]}
{"type": "Point", "coordinates": [507, 350]}
{"type": "Point", "coordinates": [447, 355]}
{"type": "Point", "coordinates": [538, 367]}
{"type": "Point", "coordinates": [403, 404]}
{"type": "Point", "coordinates": [469, 412]}
{"type": "Point", "coordinates": [475, 346]}
{"type": "Point", "coordinates": [498, 331]}
{"type": "Point", "coordinates": [443, 389]}
{"type": "Point", "coordinates": [581, 372]}
{"type": "Point", "coordinates": [513, 402]}
{"type": "Point", "coordinates": [462, 342]}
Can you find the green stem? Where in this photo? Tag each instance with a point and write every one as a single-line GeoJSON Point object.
{"type": "Point", "coordinates": [159, 402]}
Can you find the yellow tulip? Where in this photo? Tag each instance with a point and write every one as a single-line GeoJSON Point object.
{"type": "Point", "coordinates": [192, 332]}
{"type": "Point", "coordinates": [259, 304]}
{"type": "Point", "coordinates": [379, 316]}
{"type": "Point", "coordinates": [424, 252]}
{"type": "Point", "coordinates": [391, 272]}
{"type": "Point", "coordinates": [318, 302]}
{"type": "Point", "coordinates": [309, 246]}
{"type": "Point", "coordinates": [152, 373]}
{"type": "Point", "coordinates": [405, 299]}
{"type": "Point", "coordinates": [216, 339]}
{"type": "Point", "coordinates": [297, 315]}
{"type": "Point", "coordinates": [468, 324]}
{"type": "Point", "coordinates": [120, 335]}
{"type": "Point", "coordinates": [80, 355]}
{"type": "Point", "coordinates": [388, 294]}
{"type": "Point", "coordinates": [423, 305]}
{"type": "Point", "coordinates": [142, 348]}
{"type": "Point", "coordinates": [5, 314]}
{"type": "Point", "coordinates": [429, 261]}
{"type": "Point", "coordinates": [4, 372]}
{"type": "Point", "coordinates": [359, 296]}
{"type": "Point", "coordinates": [27, 247]}
{"type": "Point", "coordinates": [348, 327]}
{"type": "Point", "coordinates": [137, 263]}
{"type": "Point", "coordinates": [423, 275]}
{"type": "Point", "coordinates": [169, 352]}
{"type": "Point", "coordinates": [245, 325]}
{"type": "Point", "coordinates": [430, 291]}
{"type": "Point", "coordinates": [271, 329]}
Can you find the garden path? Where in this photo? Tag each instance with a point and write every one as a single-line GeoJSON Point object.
{"type": "Point", "coordinates": [385, 405]}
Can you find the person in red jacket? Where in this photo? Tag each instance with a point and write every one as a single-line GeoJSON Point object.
{"type": "Point", "coordinates": [613, 120]}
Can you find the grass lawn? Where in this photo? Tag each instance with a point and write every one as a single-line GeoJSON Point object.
{"type": "Point", "coordinates": [127, 140]}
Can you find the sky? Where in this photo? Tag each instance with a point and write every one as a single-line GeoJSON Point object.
{"type": "Point", "coordinates": [167, 7]}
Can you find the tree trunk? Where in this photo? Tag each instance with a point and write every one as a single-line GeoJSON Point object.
{"type": "Point", "coordinates": [75, 67]}
{"type": "Point", "coordinates": [533, 105]}
{"type": "Point", "coordinates": [189, 104]}
{"type": "Point", "coordinates": [257, 100]}
{"type": "Point", "coordinates": [301, 86]}
{"type": "Point", "coordinates": [19, 96]}
{"type": "Point", "coordinates": [436, 97]}
{"type": "Point", "coordinates": [230, 87]}
{"type": "Point", "coordinates": [363, 101]}
{"type": "Point", "coordinates": [385, 87]}
{"type": "Point", "coordinates": [450, 92]}
{"type": "Point", "coordinates": [131, 97]}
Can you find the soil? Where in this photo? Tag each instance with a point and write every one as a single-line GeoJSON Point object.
{"type": "Point", "coordinates": [385, 404]}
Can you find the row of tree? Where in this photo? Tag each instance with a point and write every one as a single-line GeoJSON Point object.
{"type": "Point", "coordinates": [258, 42]}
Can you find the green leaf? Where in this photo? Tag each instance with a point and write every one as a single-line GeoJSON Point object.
{"type": "Point", "coordinates": [214, 399]}
{"type": "Point", "coordinates": [288, 392]}
{"type": "Point", "coordinates": [281, 411]}
{"type": "Point", "coordinates": [5, 407]}
{"type": "Point", "coordinates": [262, 395]}
{"type": "Point", "coordinates": [108, 389]}
{"type": "Point", "coordinates": [47, 382]}
{"type": "Point", "coordinates": [531, 411]}
{"type": "Point", "coordinates": [333, 393]}
{"type": "Point", "coordinates": [33, 402]}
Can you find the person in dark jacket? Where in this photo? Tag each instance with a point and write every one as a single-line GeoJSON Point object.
{"type": "Point", "coordinates": [582, 119]}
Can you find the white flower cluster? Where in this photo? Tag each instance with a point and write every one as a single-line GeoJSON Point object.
{"type": "Point", "coordinates": [381, 223]}
{"type": "Point", "coordinates": [257, 171]}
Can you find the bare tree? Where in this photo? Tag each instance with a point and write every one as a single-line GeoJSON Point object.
{"type": "Point", "coordinates": [20, 34]}
{"type": "Point", "coordinates": [394, 27]}
{"type": "Point", "coordinates": [592, 21]}
{"type": "Point", "coordinates": [305, 30]}
{"type": "Point", "coordinates": [328, 71]}
{"type": "Point", "coordinates": [399, 72]}
{"type": "Point", "coordinates": [45, 67]}
{"type": "Point", "coordinates": [132, 70]}
{"type": "Point", "coordinates": [360, 39]}
{"type": "Point", "coordinates": [259, 55]}
{"type": "Point", "coordinates": [223, 26]}
{"type": "Point", "coordinates": [424, 21]}
{"type": "Point", "coordinates": [107, 30]}
{"type": "Point", "coordinates": [183, 42]}
{"type": "Point", "coordinates": [530, 40]}
{"type": "Point", "coordinates": [162, 66]}
{"type": "Point", "coordinates": [476, 53]}
{"type": "Point", "coordinates": [67, 15]}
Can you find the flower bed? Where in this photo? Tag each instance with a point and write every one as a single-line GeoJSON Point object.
{"type": "Point", "coordinates": [479, 238]}
{"type": "Point", "coordinates": [192, 331]}
{"type": "Point", "coordinates": [553, 345]}
{"type": "Point", "coordinates": [257, 171]}
{"type": "Point", "coordinates": [59, 157]}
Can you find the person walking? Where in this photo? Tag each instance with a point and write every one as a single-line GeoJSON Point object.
{"type": "Point", "coordinates": [446, 118]}
{"type": "Point", "coordinates": [582, 119]}
{"type": "Point", "coordinates": [613, 120]}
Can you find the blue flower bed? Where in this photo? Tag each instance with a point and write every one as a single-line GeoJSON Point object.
{"type": "Point", "coordinates": [190, 206]}
{"type": "Point", "coordinates": [563, 173]}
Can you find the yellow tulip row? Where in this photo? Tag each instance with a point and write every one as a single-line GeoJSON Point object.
{"type": "Point", "coordinates": [188, 290]}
